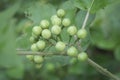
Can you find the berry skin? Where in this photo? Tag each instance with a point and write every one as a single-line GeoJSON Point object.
{"type": "Point", "coordinates": [82, 33]}
{"type": "Point", "coordinates": [66, 22]}
{"type": "Point", "coordinates": [38, 59]}
{"type": "Point", "coordinates": [56, 21]}
{"type": "Point", "coordinates": [38, 66]}
{"type": "Point", "coordinates": [60, 46]}
{"type": "Point", "coordinates": [72, 51]}
{"type": "Point", "coordinates": [32, 39]}
{"type": "Point", "coordinates": [30, 57]}
{"type": "Point", "coordinates": [44, 24]}
{"type": "Point", "coordinates": [72, 30]}
{"type": "Point", "coordinates": [53, 17]}
{"type": "Point", "coordinates": [34, 47]}
{"type": "Point", "coordinates": [60, 12]}
{"type": "Point", "coordinates": [40, 44]}
{"type": "Point", "coordinates": [37, 30]}
{"type": "Point", "coordinates": [46, 33]}
{"type": "Point", "coordinates": [50, 66]}
{"type": "Point", "coordinates": [56, 30]}
{"type": "Point", "coordinates": [82, 56]}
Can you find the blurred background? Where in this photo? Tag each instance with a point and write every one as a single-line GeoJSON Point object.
{"type": "Point", "coordinates": [17, 17]}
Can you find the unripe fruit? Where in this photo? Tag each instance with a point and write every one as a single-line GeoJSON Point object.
{"type": "Point", "coordinates": [60, 46]}
{"type": "Point", "coordinates": [72, 51]}
{"type": "Point", "coordinates": [56, 30]}
{"type": "Point", "coordinates": [66, 22]}
{"type": "Point", "coordinates": [72, 30]}
{"type": "Point", "coordinates": [38, 59]}
{"type": "Point", "coordinates": [35, 36]}
{"type": "Point", "coordinates": [60, 12]}
{"type": "Point", "coordinates": [40, 44]}
{"type": "Point", "coordinates": [46, 33]}
{"type": "Point", "coordinates": [82, 56]}
{"type": "Point", "coordinates": [34, 47]}
{"type": "Point", "coordinates": [32, 39]}
{"type": "Point", "coordinates": [38, 66]}
{"type": "Point", "coordinates": [44, 24]}
{"type": "Point", "coordinates": [56, 21]}
{"type": "Point", "coordinates": [53, 17]}
{"type": "Point", "coordinates": [50, 66]}
{"type": "Point", "coordinates": [30, 57]}
{"type": "Point", "coordinates": [37, 30]}
{"type": "Point", "coordinates": [82, 33]}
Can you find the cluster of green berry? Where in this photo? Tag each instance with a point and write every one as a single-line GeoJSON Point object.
{"type": "Point", "coordinates": [48, 29]}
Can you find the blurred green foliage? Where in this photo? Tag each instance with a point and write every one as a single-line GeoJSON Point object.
{"type": "Point", "coordinates": [103, 41]}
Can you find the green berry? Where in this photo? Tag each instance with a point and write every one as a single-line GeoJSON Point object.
{"type": "Point", "coordinates": [34, 47]}
{"type": "Point", "coordinates": [72, 51]}
{"type": "Point", "coordinates": [60, 12]}
{"type": "Point", "coordinates": [44, 24]}
{"type": "Point", "coordinates": [66, 22]}
{"type": "Point", "coordinates": [82, 56]}
{"type": "Point", "coordinates": [60, 46]}
{"type": "Point", "coordinates": [46, 33]}
{"type": "Point", "coordinates": [38, 59]}
{"type": "Point", "coordinates": [38, 66]}
{"type": "Point", "coordinates": [82, 33]}
{"type": "Point", "coordinates": [50, 66]}
{"type": "Point", "coordinates": [53, 17]}
{"type": "Point", "coordinates": [56, 29]}
{"type": "Point", "coordinates": [37, 30]}
{"type": "Point", "coordinates": [40, 44]}
{"type": "Point", "coordinates": [32, 39]}
{"type": "Point", "coordinates": [56, 21]}
{"type": "Point", "coordinates": [30, 57]}
{"type": "Point", "coordinates": [72, 30]}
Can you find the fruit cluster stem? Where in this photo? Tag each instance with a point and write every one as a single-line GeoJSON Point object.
{"type": "Point", "coordinates": [102, 70]}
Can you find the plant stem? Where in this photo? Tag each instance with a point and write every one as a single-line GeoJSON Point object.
{"type": "Point", "coordinates": [87, 15]}
{"type": "Point", "coordinates": [102, 70]}
{"type": "Point", "coordinates": [91, 62]}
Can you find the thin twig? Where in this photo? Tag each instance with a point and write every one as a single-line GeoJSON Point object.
{"type": "Point", "coordinates": [102, 70]}
{"type": "Point", "coordinates": [87, 15]}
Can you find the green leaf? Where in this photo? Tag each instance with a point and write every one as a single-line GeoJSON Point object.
{"type": "Point", "coordinates": [80, 16]}
{"type": "Point", "coordinates": [16, 72]}
{"type": "Point", "coordinates": [105, 30]}
{"type": "Point", "coordinates": [58, 61]}
{"type": "Point", "coordinates": [39, 12]}
{"type": "Point", "coordinates": [97, 5]}
{"type": "Point", "coordinates": [117, 53]}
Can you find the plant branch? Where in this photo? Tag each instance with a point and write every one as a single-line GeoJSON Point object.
{"type": "Point", "coordinates": [91, 62]}
{"type": "Point", "coordinates": [102, 70]}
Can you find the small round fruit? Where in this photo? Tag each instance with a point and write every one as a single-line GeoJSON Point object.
{"type": "Point", "coordinates": [38, 59]}
{"type": "Point", "coordinates": [66, 22]}
{"type": "Point", "coordinates": [82, 33]}
{"type": "Point", "coordinates": [60, 12]}
{"type": "Point", "coordinates": [30, 57]}
{"type": "Point", "coordinates": [56, 21]}
{"type": "Point", "coordinates": [32, 39]}
{"type": "Point", "coordinates": [53, 17]}
{"type": "Point", "coordinates": [82, 56]}
{"type": "Point", "coordinates": [38, 66]}
{"type": "Point", "coordinates": [40, 44]}
{"type": "Point", "coordinates": [60, 46]}
{"type": "Point", "coordinates": [44, 23]}
{"type": "Point", "coordinates": [72, 30]}
{"type": "Point", "coordinates": [56, 29]}
{"type": "Point", "coordinates": [37, 30]}
{"type": "Point", "coordinates": [34, 47]}
{"type": "Point", "coordinates": [72, 51]}
{"type": "Point", "coordinates": [50, 66]}
{"type": "Point", "coordinates": [46, 33]}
